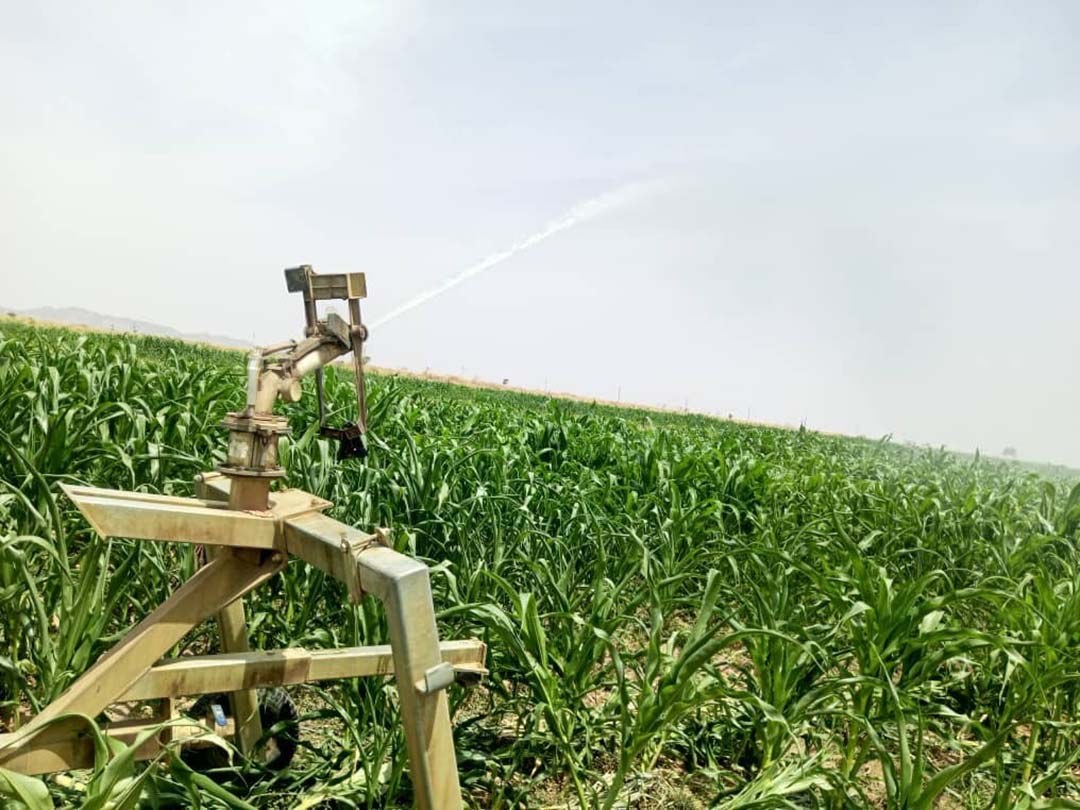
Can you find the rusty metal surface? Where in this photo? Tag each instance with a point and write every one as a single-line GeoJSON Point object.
{"type": "Point", "coordinates": [253, 443]}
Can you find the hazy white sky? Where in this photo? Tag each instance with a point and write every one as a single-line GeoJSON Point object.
{"type": "Point", "coordinates": [865, 216]}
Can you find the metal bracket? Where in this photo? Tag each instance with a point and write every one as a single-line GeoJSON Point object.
{"type": "Point", "coordinates": [351, 334]}
{"type": "Point", "coordinates": [436, 679]}
{"type": "Point", "coordinates": [250, 548]}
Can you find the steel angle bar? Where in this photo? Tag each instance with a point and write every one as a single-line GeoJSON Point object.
{"type": "Point", "coordinates": [115, 513]}
{"type": "Point", "coordinates": [229, 672]}
{"type": "Point", "coordinates": [77, 750]}
{"type": "Point", "coordinates": [403, 585]}
{"type": "Point", "coordinates": [329, 545]}
{"type": "Point", "coordinates": [213, 586]}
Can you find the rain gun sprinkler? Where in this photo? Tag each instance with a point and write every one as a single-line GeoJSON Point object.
{"type": "Point", "coordinates": [250, 533]}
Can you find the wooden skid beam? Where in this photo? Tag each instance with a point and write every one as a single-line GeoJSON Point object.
{"type": "Point", "coordinates": [115, 513]}
{"type": "Point", "coordinates": [230, 672]}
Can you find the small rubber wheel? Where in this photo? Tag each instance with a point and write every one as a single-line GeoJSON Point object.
{"type": "Point", "coordinates": [276, 708]}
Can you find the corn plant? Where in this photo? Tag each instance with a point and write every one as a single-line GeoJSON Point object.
{"type": "Point", "coordinates": [752, 616]}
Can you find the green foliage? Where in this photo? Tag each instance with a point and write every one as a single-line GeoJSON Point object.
{"type": "Point", "coordinates": [772, 618]}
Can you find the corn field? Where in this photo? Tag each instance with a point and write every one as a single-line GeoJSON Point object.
{"type": "Point", "coordinates": [680, 611]}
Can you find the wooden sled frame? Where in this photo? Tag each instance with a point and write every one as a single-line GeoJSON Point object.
{"type": "Point", "coordinates": [248, 548]}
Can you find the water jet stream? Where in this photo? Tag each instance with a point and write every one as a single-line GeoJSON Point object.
{"type": "Point", "coordinates": [579, 213]}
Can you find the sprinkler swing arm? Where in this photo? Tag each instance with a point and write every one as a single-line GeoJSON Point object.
{"type": "Point", "coordinates": [250, 533]}
{"type": "Point", "coordinates": [350, 336]}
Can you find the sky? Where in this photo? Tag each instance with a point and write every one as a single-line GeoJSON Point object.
{"type": "Point", "coordinates": [862, 217]}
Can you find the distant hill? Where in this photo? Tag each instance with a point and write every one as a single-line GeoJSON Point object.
{"type": "Point", "coordinates": [77, 316]}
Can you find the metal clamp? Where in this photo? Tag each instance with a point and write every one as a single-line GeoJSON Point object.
{"type": "Point", "coordinates": [436, 679]}
{"type": "Point", "coordinates": [351, 549]}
